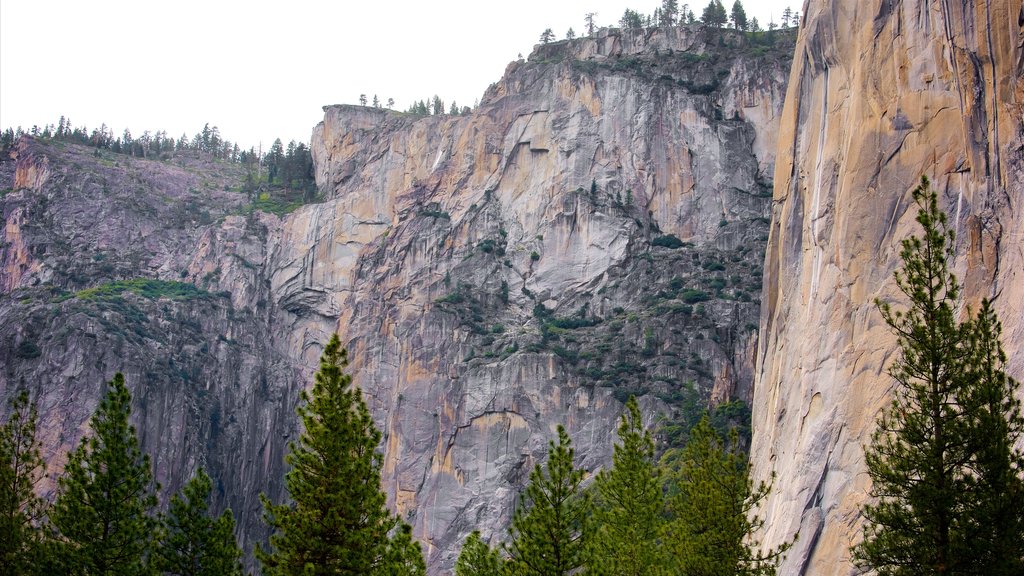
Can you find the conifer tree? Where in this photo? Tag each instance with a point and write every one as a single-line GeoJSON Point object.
{"type": "Point", "coordinates": [478, 559]}
{"type": "Point", "coordinates": [105, 496]}
{"type": "Point", "coordinates": [714, 14]}
{"type": "Point", "coordinates": [629, 507]}
{"type": "Point", "coordinates": [941, 462]}
{"type": "Point", "coordinates": [738, 16]}
{"type": "Point", "coordinates": [337, 521]}
{"type": "Point", "coordinates": [997, 468]}
{"type": "Point", "coordinates": [710, 531]}
{"type": "Point", "coordinates": [191, 542]}
{"type": "Point", "coordinates": [20, 468]}
{"type": "Point", "coordinates": [549, 531]}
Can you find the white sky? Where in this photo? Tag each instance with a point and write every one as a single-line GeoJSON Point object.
{"type": "Point", "coordinates": [260, 70]}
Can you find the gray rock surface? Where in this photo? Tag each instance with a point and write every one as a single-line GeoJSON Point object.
{"type": "Point", "coordinates": [594, 229]}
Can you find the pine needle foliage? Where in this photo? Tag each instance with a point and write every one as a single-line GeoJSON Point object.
{"type": "Point", "coordinates": [105, 497]}
{"type": "Point", "coordinates": [193, 543]}
{"type": "Point", "coordinates": [712, 509]}
{"type": "Point", "coordinates": [337, 521]}
{"type": "Point", "coordinates": [549, 531]}
{"type": "Point", "coordinates": [478, 559]}
{"type": "Point", "coordinates": [629, 505]}
{"type": "Point", "coordinates": [20, 468]}
{"type": "Point", "coordinates": [941, 461]}
{"type": "Point", "coordinates": [996, 476]}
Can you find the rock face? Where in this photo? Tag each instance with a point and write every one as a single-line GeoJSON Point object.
{"type": "Point", "coordinates": [879, 94]}
{"type": "Point", "coordinates": [593, 230]}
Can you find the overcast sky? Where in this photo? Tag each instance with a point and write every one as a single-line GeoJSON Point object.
{"type": "Point", "coordinates": [260, 70]}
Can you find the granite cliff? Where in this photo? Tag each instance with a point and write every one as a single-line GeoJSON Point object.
{"type": "Point", "coordinates": [594, 229]}
{"type": "Point", "coordinates": [879, 94]}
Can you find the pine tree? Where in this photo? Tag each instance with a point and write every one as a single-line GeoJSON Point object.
{"type": "Point", "coordinates": [549, 531]}
{"type": "Point", "coordinates": [739, 16]}
{"type": "Point", "coordinates": [337, 521]}
{"type": "Point", "coordinates": [997, 485]}
{"type": "Point", "coordinates": [478, 559]}
{"type": "Point", "coordinates": [941, 462]}
{"type": "Point", "coordinates": [105, 496]}
{"type": "Point", "coordinates": [191, 542]}
{"type": "Point", "coordinates": [714, 14]}
{"type": "Point", "coordinates": [20, 468]}
{"type": "Point", "coordinates": [547, 36]}
{"type": "Point", "coordinates": [630, 503]}
{"type": "Point", "coordinates": [712, 520]}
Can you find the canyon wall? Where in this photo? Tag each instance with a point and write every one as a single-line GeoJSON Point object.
{"type": "Point", "coordinates": [594, 229]}
{"type": "Point", "coordinates": [880, 93]}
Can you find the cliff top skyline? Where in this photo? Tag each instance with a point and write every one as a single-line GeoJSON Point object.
{"type": "Point", "coordinates": [258, 71]}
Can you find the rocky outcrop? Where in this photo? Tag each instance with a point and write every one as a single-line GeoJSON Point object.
{"type": "Point", "coordinates": [593, 230]}
{"type": "Point", "coordinates": [879, 94]}
{"type": "Point", "coordinates": [497, 273]}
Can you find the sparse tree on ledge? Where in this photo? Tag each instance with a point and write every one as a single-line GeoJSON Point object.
{"type": "Point", "coordinates": [336, 521]}
{"type": "Point", "coordinates": [669, 13]}
{"type": "Point", "coordinates": [714, 14]}
{"type": "Point", "coordinates": [547, 36]}
{"type": "Point", "coordinates": [739, 16]}
{"type": "Point", "coordinates": [590, 25]}
{"type": "Point", "coordinates": [570, 34]}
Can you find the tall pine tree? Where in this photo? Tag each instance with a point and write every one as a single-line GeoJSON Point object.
{"type": "Point", "coordinates": [191, 542]}
{"type": "Point", "coordinates": [106, 494]}
{"type": "Point", "coordinates": [630, 504]}
{"type": "Point", "coordinates": [20, 469]}
{"type": "Point", "coordinates": [941, 462]}
{"type": "Point", "coordinates": [712, 509]}
{"type": "Point", "coordinates": [997, 469]}
{"type": "Point", "coordinates": [337, 521]}
{"type": "Point", "coordinates": [549, 531]}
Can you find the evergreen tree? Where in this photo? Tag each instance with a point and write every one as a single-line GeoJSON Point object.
{"type": "Point", "coordinates": [337, 521]}
{"type": "Point", "coordinates": [590, 24]}
{"type": "Point", "coordinates": [191, 542]}
{"type": "Point", "coordinates": [786, 15]}
{"type": "Point", "coordinates": [942, 466]}
{"type": "Point", "coordinates": [105, 496]}
{"type": "Point", "coordinates": [570, 34]}
{"type": "Point", "coordinates": [549, 531]}
{"type": "Point", "coordinates": [20, 468]}
{"type": "Point", "coordinates": [628, 511]}
{"type": "Point", "coordinates": [669, 13]}
{"type": "Point", "coordinates": [739, 16]}
{"type": "Point", "coordinates": [712, 520]}
{"type": "Point", "coordinates": [631, 19]}
{"type": "Point", "coordinates": [997, 485]}
{"type": "Point", "coordinates": [547, 36]}
{"type": "Point", "coordinates": [714, 14]}
{"type": "Point", "coordinates": [478, 559]}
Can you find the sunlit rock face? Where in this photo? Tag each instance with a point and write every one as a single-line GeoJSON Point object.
{"type": "Point", "coordinates": [880, 93]}
{"type": "Point", "coordinates": [595, 229]}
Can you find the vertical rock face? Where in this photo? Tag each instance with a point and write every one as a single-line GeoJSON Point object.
{"type": "Point", "coordinates": [879, 94]}
{"type": "Point", "coordinates": [489, 265]}
{"type": "Point", "coordinates": [594, 230]}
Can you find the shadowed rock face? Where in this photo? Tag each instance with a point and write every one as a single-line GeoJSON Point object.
{"type": "Point", "coordinates": [594, 229]}
{"type": "Point", "coordinates": [879, 94]}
